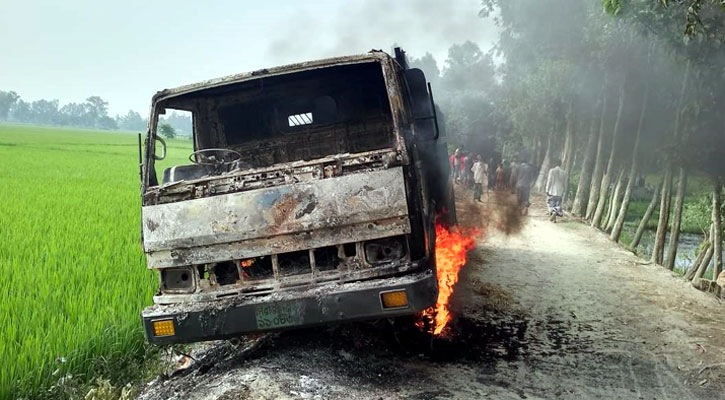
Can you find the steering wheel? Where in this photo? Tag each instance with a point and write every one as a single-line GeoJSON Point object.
{"type": "Point", "coordinates": [214, 157]}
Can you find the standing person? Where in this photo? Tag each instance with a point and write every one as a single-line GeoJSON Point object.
{"type": "Point", "coordinates": [506, 165]}
{"type": "Point", "coordinates": [462, 166]}
{"type": "Point", "coordinates": [526, 176]}
{"type": "Point", "coordinates": [491, 171]}
{"type": "Point", "coordinates": [455, 168]}
{"type": "Point", "coordinates": [480, 177]}
{"type": "Point", "coordinates": [467, 165]}
{"type": "Point", "coordinates": [500, 174]}
{"type": "Point", "coordinates": [514, 176]}
{"type": "Point", "coordinates": [555, 187]}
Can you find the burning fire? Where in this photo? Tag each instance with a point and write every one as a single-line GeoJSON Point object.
{"type": "Point", "coordinates": [246, 264]}
{"type": "Point", "coordinates": [452, 247]}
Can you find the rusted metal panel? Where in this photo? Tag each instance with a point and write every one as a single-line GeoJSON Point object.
{"type": "Point", "coordinates": [288, 210]}
{"type": "Point", "coordinates": [255, 178]}
{"type": "Point", "coordinates": [376, 56]}
{"type": "Point", "coordinates": [279, 244]}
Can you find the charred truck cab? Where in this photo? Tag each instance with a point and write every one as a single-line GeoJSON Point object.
{"type": "Point", "coordinates": [310, 198]}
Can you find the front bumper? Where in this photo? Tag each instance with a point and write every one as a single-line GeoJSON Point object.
{"type": "Point", "coordinates": [327, 303]}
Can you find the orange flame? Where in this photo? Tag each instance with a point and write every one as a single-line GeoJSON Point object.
{"type": "Point", "coordinates": [452, 247]}
{"type": "Point", "coordinates": [246, 264]}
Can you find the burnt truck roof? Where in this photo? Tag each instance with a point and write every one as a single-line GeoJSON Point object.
{"type": "Point", "coordinates": [374, 55]}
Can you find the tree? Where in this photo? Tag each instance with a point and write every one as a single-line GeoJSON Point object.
{"type": "Point", "coordinates": [634, 169]}
{"type": "Point", "coordinates": [547, 57]}
{"type": "Point", "coordinates": [44, 112]}
{"type": "Point", "coordinates": [429, 66]}
{"type": "Point", "coordinates": [180, 121]}
{"type": "Point", "coordinates": [610, 171]}
{"type": "Point", "coordinates": [717, 226]}
{"type": "Point", "coordinates": [466, 90]}
{"type": "Point", "coordinates": [75, 114]}
{"type": "Point", "coordinates": [701, 16]}
{"type": "Point", "coordinates": [167, 130]}
{"type": "Point", "coordinates": [92, 113]}
{"type": "Point", "coordinates": [7, 102]}
{"type": "Point", "coordinates": [596, 180]}
{"type": "Point", "coordinates": [614, 201]}
{"type": "Point", "coordinates": [107, 123]}
{"type": "Point", "coordinates": [585, 178]}
{"type": "Point", "coordinates": [645, 218]}
{"type": "Point", "coordinates": [132, 121]}
{"type": "Point", "coordinates": [574, 56]}
{"type": "Point", "coordinates": [98, 105]}
{"type": "Point", "coordinates": [97, 109]}
{"type": "Point", "coordinates": [468, 68]}
{"type": "Point", "coordinates": [21, 111]}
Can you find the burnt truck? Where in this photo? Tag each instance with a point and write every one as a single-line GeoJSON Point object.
{"type": "Point", "coordinates": [310, 197]}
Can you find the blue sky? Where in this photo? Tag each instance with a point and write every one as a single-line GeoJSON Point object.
{"type": "Point", "coordinates": [126, 51]}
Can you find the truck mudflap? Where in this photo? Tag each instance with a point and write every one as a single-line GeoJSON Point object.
{"type": "Point", "coordinates": [323, 304]}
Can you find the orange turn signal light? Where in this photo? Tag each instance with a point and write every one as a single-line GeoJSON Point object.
{"type": "Point", "coordinates": [394, 299]}
{"type": "Point", "coordinates": [164, 327]}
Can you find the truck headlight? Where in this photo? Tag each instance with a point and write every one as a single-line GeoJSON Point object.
{"type": "Point", "coordinates": [385, 250]}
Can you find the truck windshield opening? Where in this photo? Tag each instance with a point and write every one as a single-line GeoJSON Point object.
{"type": "Point", "coordinates": [295, 116]}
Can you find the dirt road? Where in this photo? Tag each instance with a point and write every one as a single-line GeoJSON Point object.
{"type": "Point", "coordinates": [550, 311]}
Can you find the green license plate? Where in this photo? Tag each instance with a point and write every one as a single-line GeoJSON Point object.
{"type": "Point", "coordinates": [279, 315]}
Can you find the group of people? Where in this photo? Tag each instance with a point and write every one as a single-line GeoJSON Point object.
{"type": "Point", "coordinates": [474, 172]}
{"type": "Point", "coordinates": [471, 170]}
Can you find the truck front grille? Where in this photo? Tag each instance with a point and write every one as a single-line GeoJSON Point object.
{"type": "Point", "coordinates": [255, 269]}
{"type": "Point", "coordinates": [328, 258]}
{"type": "Point", "coordinates": [344, 262]}
{"type": "Point", "coordinates": [295, 263]}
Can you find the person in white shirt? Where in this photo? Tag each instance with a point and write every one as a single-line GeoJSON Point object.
{"type": "Point", "coordinates": [455, 160]}
{"type": "Point", "coordinates": [480, 177]}
{"type": "Point", "coordinates": [555, 188]}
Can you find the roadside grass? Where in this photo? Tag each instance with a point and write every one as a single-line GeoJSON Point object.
{"type": "Point", "coordinates": [73, 274]}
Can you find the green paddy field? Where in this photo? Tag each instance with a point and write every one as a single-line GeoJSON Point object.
{"type": "Point", "coordinates": [72, 273]}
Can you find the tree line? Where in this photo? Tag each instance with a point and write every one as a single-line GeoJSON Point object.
{"type": "Point", "coordinates": [92, 113]}
{"type": "Point", "coordinates": [466, 89]}
{"type": "Point", "coordinates": [618, 92]}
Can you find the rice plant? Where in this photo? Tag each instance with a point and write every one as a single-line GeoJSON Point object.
{"type": "Point", "coordinates": [72, 274]}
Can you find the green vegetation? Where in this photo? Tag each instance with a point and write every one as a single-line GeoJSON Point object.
{"type": "Point", "coordinates": [92, 113]}
{"type": "Point", "coordinates": [73, 274]}
{"type": "Point", "coordinates": [564, 93]}
{"type": "Point", "coordinates": [167, 131]}
{"type": "Point", "coordinates": [695, 216]}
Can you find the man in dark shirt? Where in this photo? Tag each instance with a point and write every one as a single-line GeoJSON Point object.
{"type": "Point", "coordinates": [526, 177]}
